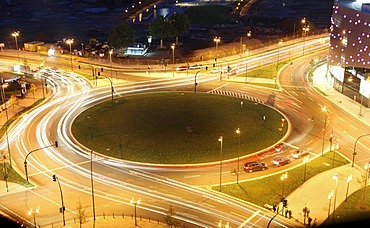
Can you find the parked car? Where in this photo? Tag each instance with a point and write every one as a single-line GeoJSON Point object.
{"type": "Point", "coordinates": [279, 161]}
{"type": "Point", "coordinates": [195, 67]}
{"type": "Point", "coordinates": [299, 153]}
{"type": "Point", "coordinates": [254, 166]}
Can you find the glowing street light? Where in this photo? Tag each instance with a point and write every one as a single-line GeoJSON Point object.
{"type": "Point", "coordinates": [33, 213]}
{"type": "Point", "coordinates": [282, 178]}
{"type": "Point", "coordinates": [331, 194]}
{"type": "Point", "coordinates": [237, 168]}
{"type": "Point", "coordinates": [349, 178]}
{"type": "Point", "coordinates": [15, 35]}
{"type": "Point", "coordinates": [135, 203]}
{"type": "Point", "coordinates": [70, 42]}
{"type": "Point", "coordinates": [217, 39]}
{"type": "Point", "coordinates": [305, 160]}
{"type": "Point", "coordinates": [278, 54]}
{"type": "Point", "coordinates": [324, 109]}
{"type": "Point", "coordinates": [335, 177]}
{"type": "Point", "coordinates": [220, 139]}
{"type": "Point", "coordinates": [173, 59]}
{"type": "Point", "coordinates": [221, 224]}
{"type": "Point", "coordinates": [246, 65]}
{"type": "Point", "coordinates": [305, 29]}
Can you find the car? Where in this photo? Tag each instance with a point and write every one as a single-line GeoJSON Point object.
{"type": "Point", "coordinates": [279, 161]}
{"type": "Point", "coordinates": [181, 68]}
{"type": "Point", "coordinates": [299, 153]}
{"type": "Point", "coordinates": [254, 166]}
{"type": "Point", "coordinates": [195, 67]}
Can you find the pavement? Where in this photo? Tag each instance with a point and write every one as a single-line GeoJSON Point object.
{"type": "Point", "coordinates": [314, 191]}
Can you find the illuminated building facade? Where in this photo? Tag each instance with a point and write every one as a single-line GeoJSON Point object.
{"type": "Point", "coordinates": [349, 53]}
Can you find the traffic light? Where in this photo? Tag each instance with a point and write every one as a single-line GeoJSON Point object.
{"type": "Point", "coordinates": [285, 203]}
{"type": "Point", "coordinates": [102, 69]}
{"type": "Point", "coordinates": [79, 67]}
{"type": "Point", "coordinates": [54, 178]}
{"type": "Point", "coordinates": [99, 73]}
{"type": "Point", "coordinates": [56, 143]}
{"type": "Point", "coordinates": [62, 209]}
{"type": "Point", "coordinates": [206, 67]}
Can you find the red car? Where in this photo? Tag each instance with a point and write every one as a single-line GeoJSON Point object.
{"type": "Point", "coordinates": [279, 161]}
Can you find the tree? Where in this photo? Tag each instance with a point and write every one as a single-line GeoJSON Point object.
{"type": "Point", "coordinates": [170, 220]}
{"type": "Point", "coordinates": [179, 24]}
{"type": "Point", "coordinates": [121, 35]}
{"type": "Point", "coordinates": [33, 90]}
{"type": "Point", "coordinates": [160, 28]}
{"type": "Point", "coordinates": [81, 213]}
{"type": "Point", "coordinates": [13, 100]}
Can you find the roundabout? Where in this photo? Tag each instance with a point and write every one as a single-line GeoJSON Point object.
{"type": "Point", "coordinates": [177, 127]}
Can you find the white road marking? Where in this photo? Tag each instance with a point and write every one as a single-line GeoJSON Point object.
{"type": "Point", "coordinates": [249, 219]}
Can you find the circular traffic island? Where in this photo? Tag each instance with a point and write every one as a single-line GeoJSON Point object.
{"type": "Point", "coordinates": [177, 127]}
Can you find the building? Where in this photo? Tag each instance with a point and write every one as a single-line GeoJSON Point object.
{"type": "Point", "coordinates": [32, 46]}
{"type": "Point", "coordinates": [349, 53]}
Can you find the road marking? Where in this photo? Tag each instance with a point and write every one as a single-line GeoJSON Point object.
{"type": "Point", "coordinates": [249, 219]}
{"type": "Point", "coordinates": [309, 142]}
{"type": "Point", "coordinates": [191, 176]}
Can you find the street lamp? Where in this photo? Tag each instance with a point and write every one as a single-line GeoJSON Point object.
{"type": "Point", "coordinates": [110, 60]}
{"type": "Point", "coordinates": [305, 160]}
{"type": "Point", "coordinates": [70, 42]}
{"type": "Point", "coordinates": [135, 203]}
{"type": "Point", "coordinates": [33, 213]}
{"type": "Point", "coordinates": [282, 178]}
{"type": "Point", "coordinates": [367, 168]}
{"type": "Point", "coordinates": [303, 21]}
{"type": "Point", "coordinates": [62, 209]}
{"type": "Point", "coordinates": [220, 139]}
{"type": "Point", "coordinates": [217, 39]}
{"type": "Point", "coordinates": [324, 109]}
{"type": "Point", "coordinates": [237, 168]}
{"type": "Point", "coordinates": [305, 29]}
{"type": "Point", "coordinates": [3, 86]}
{"type": "Point", "coordinates": [349, 178]}
{"type": "Point", "coordinates": [335, 177]}
{"type": "Point", "coordinates": [173, 59]}
{"type": "Point", "coordinates": [354, 148]}
{"type": "Point", "coordinates": [246, 66]}
{"type": "Point", "coordinates": [15, 35]}
{"type": "Point", "coordinates": [278, 55]}
{"type": "Point", "coordinates": [329, 198]}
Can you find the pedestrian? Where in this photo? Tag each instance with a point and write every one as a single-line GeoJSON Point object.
{"type": "Point", "coordinates": [314, 222]}
{"type": "Point", "coordinates": [309, 221]}
{"type": "Point", "coordinates": [286, 213]}
{"type": "Point", "coordinates": [290, 214]}
{"type": "Point", "coordinates": [274, 208]}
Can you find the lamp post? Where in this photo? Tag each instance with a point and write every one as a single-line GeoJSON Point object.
{"type": "Point", "coordinates": [367, 168]}
{"type": "Point", "coordinates": [173, 59]}
{"type": "Point", "coordinates": [70, 42]}
{"type": "Point", "coordinates": [111, 86]}
{"type": "Point", "coordinates": [15, 35]}
{"type": "Point", "coordinates": [303, 21]}
{"type": "Point", "coordinates": [195, 81]}
{"type": "Point", "coordinates": [217, 39]}
{"type": "Point", "coordinates": [3, 86]}
{"type": "Point", "coordinates": [33, 213]}
{"type": "Point", "coordinates": [220, 139]}
{"type": "Point", "coordinates": [135, 203]}
{"type": "Point", "coordinates": [324, 109]}
{"type": "Point", "coordinates": [335, 177]}
{"type": "Point", "coordinates": [329, 198]}
{"type": "Point", "coordinates": [237, 167]}
{"type": "Point", "coordinates": [305, 160]}
{"type": "Point", "coordinates": [92, 183]}
{"type": "Point", "coordinates": [246, 66]}
{"type": "Point", "coordinates": [354, 148]}
{"type": "Point", "coordinates": [305, 29]}
{"type": "Point", "coordinates": [282, 178]}
{"type": "Point", "coordinates": [62, 209]}
{"type": "Point", "coordinates": [25, 159]}
{"type": "Point", "coordinates": [110, 60]}
{"type": "Point", "coordinates": [349, 178]}
{"type": "Point", "coordinates": [278, 55]}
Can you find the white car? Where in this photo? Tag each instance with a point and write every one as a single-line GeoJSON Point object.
{"type": "Point", "coordinates": [299, 153]}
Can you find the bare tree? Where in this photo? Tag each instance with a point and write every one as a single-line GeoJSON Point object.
{"type": "Point", "coordinates": [170, 218]}
{"type": "Point", "coordinates": [81, 213]}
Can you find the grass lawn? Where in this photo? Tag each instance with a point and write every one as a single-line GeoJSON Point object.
{"type": "Point", "coordinates": [177, 127]}
{"type": "Point", "coordinates": [209, 14]}
{"type": "Point", "coordinates": [353, 210]}
{"type": "Point", "coordinates": [13, 176]}
{"type": "Point", "coordinates": [268, 190]}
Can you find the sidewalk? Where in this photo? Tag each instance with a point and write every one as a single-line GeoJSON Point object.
{"type": "Point", "coordinates": [315, 192]}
